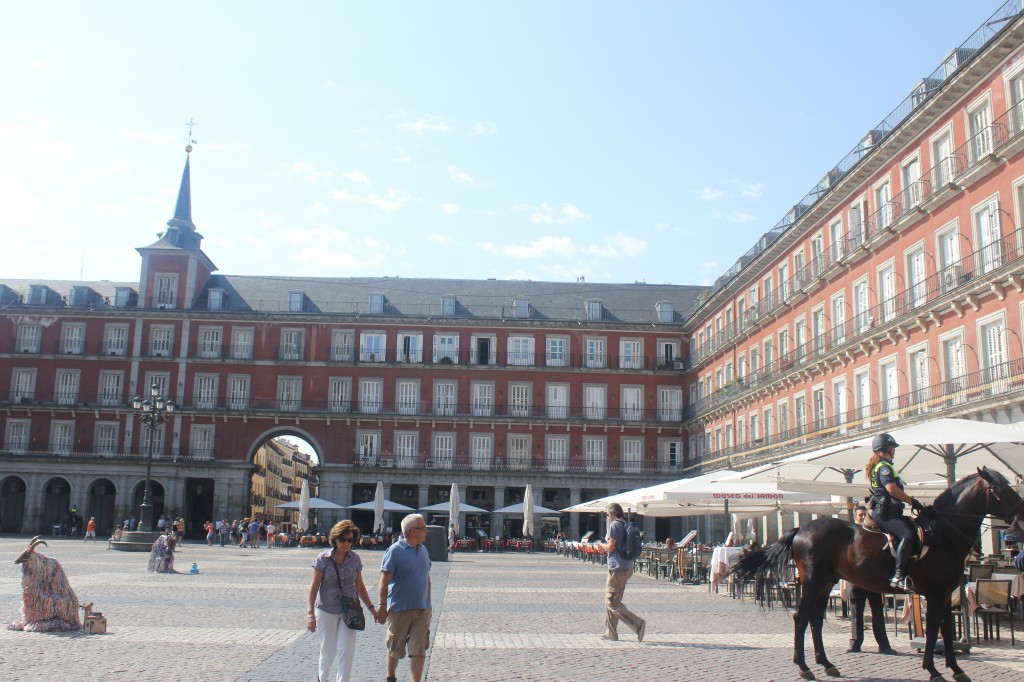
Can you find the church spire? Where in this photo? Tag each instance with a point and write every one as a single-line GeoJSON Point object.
{"type": "Point", "coordinates": [183, 210]}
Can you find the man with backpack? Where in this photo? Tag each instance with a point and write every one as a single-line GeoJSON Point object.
{"type": "Point", "coordinates": [623, 546]}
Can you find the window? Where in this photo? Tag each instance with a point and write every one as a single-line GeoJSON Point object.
{"type": "Point", "coordinates": [817, 252]}
{"type": "Point", "coordinates": [949, 260]}
{"type": "Point", "coordinates": [66, 387]}
{"type": "Point", "coordinates": [913, 190]}
{"type": "Point", "coordinates": [16, 437]}
{"type": "Point", "coordinates": [339, 394]}
{"type": "Point", "coordinates": [29, 338]}
{"type": "Point", "coordinates": [631, 354]}
{"type": "Point", "coordinates": [784, 283]}
{"type": "Point", "coordinates": [519, 452]}
{"type": "Point", "coordinates": [123, 297]}
{"type": "Point", "coordinates": [989, 236]}
{"type": "Point", "coordinates": [944, 169]}
{"type": "Point", "coordinates": [769, 353]}
{"type": "Point", "coordinates": [839, 319]}
{"type": "Point", "coordinates": [448, 305]}
{"type": "Point", "coordinates": [215, 301]}
{"type": "Point", "coordinates": [106, 438]}
{"type": "Point", "coordinates": [159, 379]}
{"type": "Point", "coordinates": [115, 339]}
{"type": "Point", "coordinates": [670, 404]}
{"type": "Point", "coordinates": [981, 144]}
{"type": "Point", "coordinates": [341, 345]}
{"type": "Point", "coordinates": [376, 304]}
{"type": "Point", "coordinates": [292, 344]}
{"type": "Point", "coordinates": [519, 400]}
{"type": "Point", "coordinates": [520, 350]}
{"type": "Point", "coordinates": [483, 398]}
{"type": "Point", "coordinates": [557, 351]}
{"type": "Point", "coordinates": [594, 402]}
{"type": "Point", "coordinates": [916, 277]}
{"type": "Point", "coordinates": [443, 450]}
{"type": "Point", "coordinates": [993, 339]}
{"type": "Point", "coordinates": [110, 389]}
{"type": "Point", "coordinates": [520, 307]}
{"type": "Point", "coordinates": [768, 422]}
{"type": "Point", "coordinates": [62, 437]}
{"type": "Point", "coordinates": [632, 403]}
{"type": "Point", "coordinates": [238, 392]}
{"type": "Point", "coordinates": [800, 412]}
{"type": "Point", "coordinates": [556, 452]}
{"type": "Point", "coordinates": [863, 386]}
{"type": "Point", "coordinates": [801, 339]}
{"type": "Point", "coordinates": [410, 347]}
{"type": "Point", "coordinates": [201, 443]}
{"type": "Point", "coordinates": [205, 391]}
{"type": "Point", "coordinates": [72, 339]}
{"type": "Point", "coordinates": [289, 394]}
{"type": "Point", "coordinates": [408, 392]}
{"type": "Point", "coordinates": [445, 398]}
{"type": "Point", "coordinates": [840, 404]}
{"type": "Point", "coordinates": [860, 307]}
{"type": "Point", "coordinates": [818, 405]}
{"type": "Point", "coordinates": [818, 330]}
{"type": "Point", "coordinates": [241, 344]}
{"type": "Point", "coordinates": [838, 240]}
{"type": "Point", "coordinates": [371, 393]}
{"type": "Point", "coordinates": [166, 286]}
{"type": "Point", "coordinates": [632, 457]}
{"type": "Point", "coordinates": [446, 349]}
{"type": "Point", "coordinates": [296, 302]}
{"type": "Point", "coordinates": [210, 342]}
{"type": "Point", "coordinates": [883, 204]}
{"type": "Point", "coordinates": [783, 417]}
{"type": "Point", "coordinates": [161, 340]}
{"type": "Point", "coordinates": [557, 401]}
{"type": "Point", "coordinates": [597, 354]}
{"type": "Point", "coordinates": [368, 447]}
{"type": "Point", "coordinates": [406, 445]}
{"type": "Point", "coordinates": [372, 346]}
{"type": "Point", "coordinates": [595, 311]}
{"type": "Point", "coordinates": [665, 312]}
{"type": "Point", "coordinates": [594, 457]}
{"type": "Point", "coordinates": [918, 361]}
{"type": "Point", "coordinates": [483, 349]}
{"type": "Point", "coordinates": [889, 382]}
{"type": "Point", "coordinates": [481, 448]}
{"type": "Point", "coordinates": [784, 345]}
{"type": "Point", "coordinates": [954, 369]}
{"type": "Point", "coordinates": [887, 292]}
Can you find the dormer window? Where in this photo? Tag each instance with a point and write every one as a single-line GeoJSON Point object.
{"type": "Point", "coordinates": [166, 287]}
{"type": "Point", "coordinates": [215, 301]}
{"type": "Point", "coordinates": [595, 310]}
{"type": "Point", "coordinates": [296, 302]}
{"type": "Point", "coordinates": [448, 306]}
{"type": "Point", "coordinates": [665, 313]}
{"type": "Point", "coordinates": [376, 304]}
{"type": "Point", "coordinates": [124, 297]}
{"type": "Point", "coordinates": [521, 307]}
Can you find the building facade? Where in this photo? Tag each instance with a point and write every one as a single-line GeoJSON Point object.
{"type": "Point", "coordinates": [279, 471]}
{"type": "Point", "coordinates": [891, 292]}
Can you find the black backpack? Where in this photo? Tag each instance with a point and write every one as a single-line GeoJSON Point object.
{"type": "Point", "coordinates": [634, 544]}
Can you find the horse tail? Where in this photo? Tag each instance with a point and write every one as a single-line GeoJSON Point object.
{"type": "Point", "coordinates": [773, 560]}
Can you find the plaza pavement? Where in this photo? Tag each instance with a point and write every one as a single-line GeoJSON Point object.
{"type": "Point", "coordinates": [497, 617]}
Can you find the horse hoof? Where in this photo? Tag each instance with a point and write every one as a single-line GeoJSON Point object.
{"type": "Point", "coordinates": [939, 678]}
{"type": "Point", "coordinates": [961, 677]}
{"type": "Point", "coordinates": [832, 671]}
{"type": "Point", "coordinates": [807, 675]}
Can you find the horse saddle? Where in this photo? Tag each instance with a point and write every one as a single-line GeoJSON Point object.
{"type": "Point", "coordinates": [923, 537]}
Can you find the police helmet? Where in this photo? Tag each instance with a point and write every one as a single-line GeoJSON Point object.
{"type": "Point", "coordinates": [882, 442]}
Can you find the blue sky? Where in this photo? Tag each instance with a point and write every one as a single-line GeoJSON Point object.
{"type": "Point", "coordinates": [649, 141]}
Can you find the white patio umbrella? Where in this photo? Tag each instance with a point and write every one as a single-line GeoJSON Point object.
{"type": "Point", "coordinates": [464, 508]}
{"type": "Point", "coordinates": [389, 506]}
{"type": "Point", "coordinates": [314, 503]}
{"type": "Point", "coordinates": [304, 506]}
{"type": "Point", "coordinates": [453, 507]}
{"type": "Point", "coordinates": [528, 511]}
{"type": "Point", "coordinates": [378, 508]}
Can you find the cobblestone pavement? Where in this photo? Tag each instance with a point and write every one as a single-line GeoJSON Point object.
{"type": "Point", "coordinates": [497, 617]}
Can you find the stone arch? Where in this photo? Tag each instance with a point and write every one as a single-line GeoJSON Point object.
{"type": "Point", "coordinates": [100, 503]}
{"type": "Point", "coordinates": [158, 499]}
{"type": "Point", "coordinates": [56, 505]}
{"type": "Point", "coordinates": [281, 431]}
{"type": "Point", "coordinates": [12, 503]}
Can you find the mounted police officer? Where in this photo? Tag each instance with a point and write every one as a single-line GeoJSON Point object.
{"type": "Point", "coordinates": [887, 499]}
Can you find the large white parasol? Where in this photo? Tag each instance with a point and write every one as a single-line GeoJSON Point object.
{"type": "Point", "coordinates": [304, 506]}
{"type": "Point", "coordinates": [528, 511]}
{"type": "Point", "coordinates": [378, 508]}
{"type": "Point", "coordinates": [453, 507]}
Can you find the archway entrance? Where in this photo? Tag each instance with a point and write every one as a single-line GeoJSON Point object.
{"type": "Point", "coordinates": [156, 499]}
{"type": "Point", "coordinates": [198, 506]}
{"type": "Point", "coordinates": [100, 499]}
{"type": "Point", "coordinates": [12, 504]}
{"type": "Point", "coordinates": [57, 505]}
{"type": "Point", "coordinates": [281, 462]}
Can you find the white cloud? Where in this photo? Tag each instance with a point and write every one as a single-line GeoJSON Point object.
{"type": "Point", "coordinates": [403, 156]}
{"type": "Point", "coordinates": [538, 248]}
{"type": "Point", "coordinates": [357, 176]}
{"type": "Point", "coordinates": [36, 136]}
{"type": "Point", "coordinates": [617, 245]}
{"type": "Point", "coordinates": [441, 239]}
{"type": "Point", "coordinates": [546, 214]}
{"type": "Point", "coordinates": [38, 65]}
{"type": "Point", "coordinates": [480, 128]}
{"type": "Point", "coordinates": [711, 194]}
{"type": "Point", "coordinates": [392, 200]}
{"type": "Point", "coordinates": [751, 189]}
{"type": "Point", "coordinates": [450, 209]}
{"type": "Point", "coordinates": [109, 209]}
{"type": "Point", "coordinates": [308, 170]}
{"type": "Point", "coordinates": [424, 126]}
{"type": "Point", "coordinates": [710, 265]}
{"type": "Point", "coordinates": [460, 176]}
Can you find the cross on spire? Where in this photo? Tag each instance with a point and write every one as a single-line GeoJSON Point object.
{"type": "Point", "coordinates": [189, 141]}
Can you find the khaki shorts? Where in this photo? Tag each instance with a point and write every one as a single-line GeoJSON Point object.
{"type": "Point", "coordinates": [408, 629]}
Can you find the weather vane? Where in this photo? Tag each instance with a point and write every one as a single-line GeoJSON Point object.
{"type": "Point", "coordinates": [190, 141]}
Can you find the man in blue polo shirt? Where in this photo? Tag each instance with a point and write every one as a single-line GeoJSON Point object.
{"type": "Point", "coordinates": [404, 595]}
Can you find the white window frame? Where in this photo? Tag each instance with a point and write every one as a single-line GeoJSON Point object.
{"type": "Point", "coordinates": [72, 338]}
{"type": "Point", "coordinates": [242, 343]}
{"type": "Point", "coordinates": [342, 345]}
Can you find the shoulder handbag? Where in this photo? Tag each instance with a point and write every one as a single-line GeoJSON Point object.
{"type": "Point", "coordinates": [351, 610]}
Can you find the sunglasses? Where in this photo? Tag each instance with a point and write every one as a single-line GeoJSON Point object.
{"type": "Point", "coordinates": [349, 539]}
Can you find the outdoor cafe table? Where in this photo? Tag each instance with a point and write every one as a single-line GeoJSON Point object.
{"type": "Point", "coordinates": [721, 558]}
{"type": "Point", "coordinates": [1016, 590]}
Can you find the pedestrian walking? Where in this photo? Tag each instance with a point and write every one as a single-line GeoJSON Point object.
{"type": "Point", "coordinates": [337, 589]}
{"type": "Point", "coordinates": [452, 538]}
{"type": "Point", "coordinates": [225, 532]}
{"type": "Point", "coordinates": [620, 569]}
{"type": "Point", "coordinates": [90, 530]}
{"type": "Point", "coordinates": [404, 596]}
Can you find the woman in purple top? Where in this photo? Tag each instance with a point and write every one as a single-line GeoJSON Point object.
{"type": "Point", "coordinates": [337, 573]}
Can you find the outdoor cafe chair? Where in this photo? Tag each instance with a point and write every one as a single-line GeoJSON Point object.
{"type": "Point", "coordinates": [993, 603]}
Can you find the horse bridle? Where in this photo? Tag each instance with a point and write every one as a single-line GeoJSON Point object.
{"type": "Point", "coordinates": [1018, 508]}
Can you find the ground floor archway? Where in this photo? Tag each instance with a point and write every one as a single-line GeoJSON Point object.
{"type": "Point", "coordinates": [100, 500]}
{"type": "Point", "coordinates": [12, 504]}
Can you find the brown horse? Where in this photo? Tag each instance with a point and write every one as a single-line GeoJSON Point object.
{"type": "Point", "coordinates": [828, 549]}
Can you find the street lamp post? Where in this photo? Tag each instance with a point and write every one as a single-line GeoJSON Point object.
{"type": "Point", "coordinates": [152, 411]}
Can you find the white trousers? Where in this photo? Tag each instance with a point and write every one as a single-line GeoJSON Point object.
{"type": "Point", "coordinates": [335, 637]}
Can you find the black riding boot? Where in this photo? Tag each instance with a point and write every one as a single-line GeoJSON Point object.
{"type": "Point", "coordinates": [903, 555]}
